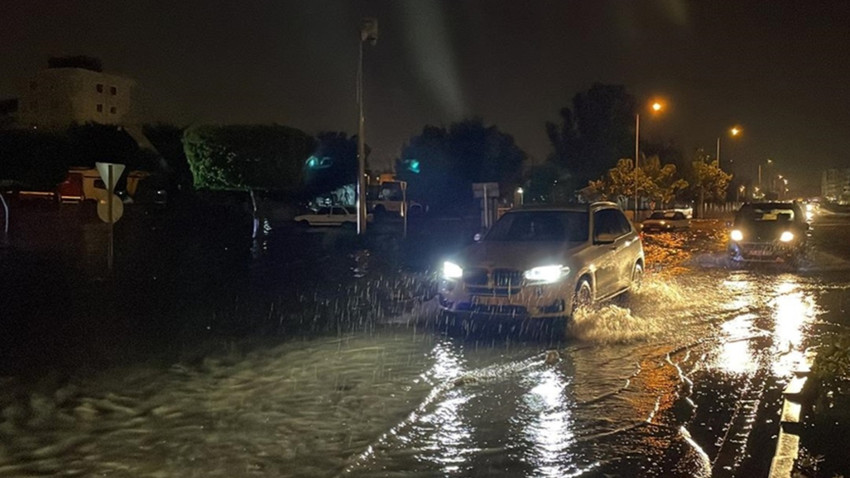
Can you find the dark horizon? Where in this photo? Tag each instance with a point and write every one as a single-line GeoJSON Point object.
{"type": "Point", "coordinates": [775, 69]}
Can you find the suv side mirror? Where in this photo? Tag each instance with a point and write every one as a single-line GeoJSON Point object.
{"type": "Point", "coordinates": [604, 238]}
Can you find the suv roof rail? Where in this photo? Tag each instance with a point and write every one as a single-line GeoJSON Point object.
{"type": "Point", "coordinates": [603, 203]}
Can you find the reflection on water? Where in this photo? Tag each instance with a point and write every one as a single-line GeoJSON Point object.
{"type": "Point", "coordinates": [794, 309]}
{"type": "Point", "coordinates": [549, 428]}
{"type": "Point", "coordinates": [671, 382]}
{"type": "Point", "coordinates": [785, 307]}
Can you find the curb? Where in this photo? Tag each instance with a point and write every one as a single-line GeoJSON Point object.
{"type": "Point", "coordinates": [788, 442]}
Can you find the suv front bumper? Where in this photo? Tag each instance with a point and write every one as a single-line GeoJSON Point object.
{"type": "Point", "coordinates": [525, 301]}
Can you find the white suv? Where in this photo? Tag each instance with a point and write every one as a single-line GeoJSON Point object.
{"type": "Point", "coordinates": [544, 262]}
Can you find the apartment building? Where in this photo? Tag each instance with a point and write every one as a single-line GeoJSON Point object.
{"type": "Point", "coordinates": [58, 97]}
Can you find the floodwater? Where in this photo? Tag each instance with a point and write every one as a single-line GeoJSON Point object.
{"type": "Point", "coordinates": [682, 379]}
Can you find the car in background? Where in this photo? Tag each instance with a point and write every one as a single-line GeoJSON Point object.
{"type": "Point", "coordinates": [768, 232]}
{"type": "Point", "coordinates": [544, 262]}
{"type": "Point", "coordinates": [688, 211]}
{"type": "Point", "coordinates": [330, 216]}
{"type": "Point", "coordinates": [666, 221]}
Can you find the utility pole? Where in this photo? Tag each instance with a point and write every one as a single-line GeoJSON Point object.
{"type": "Point", "coordinates": [368, 32]}
{"type": "Point", "coordinates": [637, 152]}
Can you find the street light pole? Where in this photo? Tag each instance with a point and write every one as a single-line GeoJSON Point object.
{"type": "Point", "coordinates": [368, 32]}
{"type": "Point", "coordinates": [656, 107]}
{"type": "Point", "coordinates": [637, 152]}
{"type": "Point", "coordinates": [361, 148]}
{"type": "Point", "coordinates": [719, 164]}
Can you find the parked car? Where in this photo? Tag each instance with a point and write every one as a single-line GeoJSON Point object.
{"type": "Point", "coordinates": [544, 262]}
{"type": "Point", "coordinates": [666, 221]}
{"type": "Point", "coordinates": [330, 216]}
{"type": "Point", "coordinates": [768, 232]}
{"type": "Point", "coordinates": [688, 211]}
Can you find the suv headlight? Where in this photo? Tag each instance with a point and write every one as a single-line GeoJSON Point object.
{"type": "Point", "coordinates": [546, 274]}
{"type": "Point", "coordinates": [787, 236]}
{"type": "Point", "coordinates": [452, 270]}
{"type": "Point", "coordinates": [736, 235]}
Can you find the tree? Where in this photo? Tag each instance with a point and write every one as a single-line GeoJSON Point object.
{"type": "Point", "coordinates": [654, 180]}
{"type": "Point", "coordinates": [168, 141]}
{"type": "Point", "coordinates": [33, 160]}
{"type": "Point", "coordinates": [548, 183]}
{"type": "Point", "coordinates": [449, 160]}
{"type": "Point", "coordinates": [333, 164]}
{"type": "Point", "coordinates": [620, 181]}
{"type": "Point", "coordinates": [595, 133]}
{"type": "Point", "coordinates": [93, 142]}
{"type": "Point", "coordinates": [662, 183]}
{"type": "Point", "coordinates": [247, 158]}
{"type": "Point", "coordinates": [707, 180]}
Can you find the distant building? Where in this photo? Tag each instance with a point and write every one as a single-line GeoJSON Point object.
{"type": "Point", "coordinates": [835, 185]}
{"type": "Point", "coordinates": [58, 97]}
{"type": "Point", "coordinates": [74, 90]}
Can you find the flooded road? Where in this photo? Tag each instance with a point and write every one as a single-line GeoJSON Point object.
{"type": "Point", "coordinates": [682, 379]}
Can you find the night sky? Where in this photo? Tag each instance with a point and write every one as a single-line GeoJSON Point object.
{"type": "Point", "coordinates": [779, 69]}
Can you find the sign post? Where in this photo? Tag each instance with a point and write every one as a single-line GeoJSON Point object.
{"type": "Point", "coordinates": [404, 208]}
{"type": "Point", "coordinates": [110, 208]}
{"type": "Point", "coordinates": [487, 192]}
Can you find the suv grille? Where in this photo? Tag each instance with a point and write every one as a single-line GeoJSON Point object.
{"type": "Point", "coordinates": [495, 282]}
{"type": "Point", "coordinates": [475, 276]}
{"type": "Point", "coordinates": [507, 278]}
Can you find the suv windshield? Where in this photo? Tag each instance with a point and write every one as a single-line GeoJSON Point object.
{"type": "Point", "coordinates": [569, 226]}
{"type": "Point", "coordinates": [767, 213]}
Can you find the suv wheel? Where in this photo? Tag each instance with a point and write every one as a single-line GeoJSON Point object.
{"type": "Point", "coordinates": [583, 296]}
{"type": "Point", "coordinates": [637, 277]}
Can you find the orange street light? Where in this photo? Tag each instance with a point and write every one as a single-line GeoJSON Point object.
{"type": "Point", "coordinates": [734, 131]}
{"type": "Point", "coordinates": [656, 106]}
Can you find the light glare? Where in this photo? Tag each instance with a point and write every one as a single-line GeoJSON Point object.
{"type": "Point", "coordinates": [786, 236]}
{"type": "Point", "coordinates": [452, 270]}
{"type": "Point", "coordinates": [737, 235]}
{"type": "Point", "coordinates": [546, 274]}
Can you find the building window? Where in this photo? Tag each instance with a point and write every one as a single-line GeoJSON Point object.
{"type": "Point", "coordinates": [100, 108]}
{"type": "Point", "coordinates": [113, 90]}
{"type": "Point", "coordinates": [113, 110]}
{"type": "Point", "coordinates": [99, 88]}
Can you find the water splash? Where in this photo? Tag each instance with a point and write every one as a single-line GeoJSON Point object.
{"type": "Point", "coordinates": [660, 306]}
{"type": "Point", "coordinates": [610, 324]}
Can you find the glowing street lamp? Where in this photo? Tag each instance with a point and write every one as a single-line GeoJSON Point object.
{"type": "Point", "coordinates": [656, 107]}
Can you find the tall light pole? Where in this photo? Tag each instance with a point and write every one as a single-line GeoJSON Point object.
{"type": "Point", "coordinates": [734, 131]}
{"type": "Point", "coordinates": [637, 152]}
{"type": "Point", "coordinates": [368, 32]}
{"type": "Point", "coordinates": [656, 107]}
{"type": "Point", "coordinates": [769, 162]}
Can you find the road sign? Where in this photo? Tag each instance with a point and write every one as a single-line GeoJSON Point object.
{"type": "Point", "coordinates": [103, 209]}
{"type": "Point", "coordinates": [490, 190]}
{"type": "Point", "coordinates": [103, 169]}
